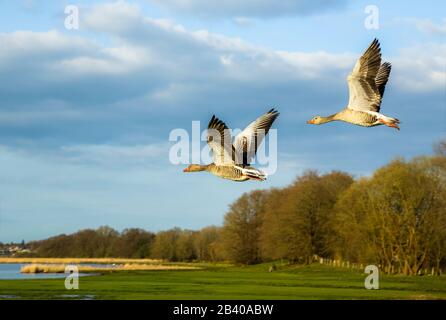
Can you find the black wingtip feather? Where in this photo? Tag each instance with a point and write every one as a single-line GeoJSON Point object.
{"type": "Point", "coordinates": [387, 65]}
{"type": "Point", "coordinates": [211, 122]}
{"type": "Point", "coordinates": [216, 123]}
{"type": "Point", "coordinates": [274, 111]}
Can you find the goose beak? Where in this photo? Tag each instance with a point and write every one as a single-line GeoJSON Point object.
{"type": "Point", "coordinates": [310, 121]}
{"type": "Point", "coordinates": [186, 170]}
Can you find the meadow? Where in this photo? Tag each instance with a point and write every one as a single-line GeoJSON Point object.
{"type": "Point", "coordinates": [222, 281]}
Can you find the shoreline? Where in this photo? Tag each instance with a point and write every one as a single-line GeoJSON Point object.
{"type": "Point", "coordinates": [51, 268]}
{"type": "Point", "coordinates": [10, 260]}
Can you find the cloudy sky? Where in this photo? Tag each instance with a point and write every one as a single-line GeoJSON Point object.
{"type": "Point", "coordinates": [85, 115]}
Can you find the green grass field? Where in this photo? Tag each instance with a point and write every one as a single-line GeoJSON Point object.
{"type": "Point", "coordinates": [229, 282]}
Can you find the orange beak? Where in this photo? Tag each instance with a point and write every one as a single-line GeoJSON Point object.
{"type": "Point", "coordinates": [186, 170]}
{"type": "Point", "coordinates": [310, 121]}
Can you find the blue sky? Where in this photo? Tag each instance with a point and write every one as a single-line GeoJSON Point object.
{"type": "Point", "coordinates": [85, 115]}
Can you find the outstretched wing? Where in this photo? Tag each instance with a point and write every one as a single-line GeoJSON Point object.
{"type": "Point", "coordinates": [220, 142]}
{"type": "Point", "coordinates": [382, 77]}
{"type": "Point", "coordinates": [247, 142]}
{"type": "Point", "coordinates": [364, 92]}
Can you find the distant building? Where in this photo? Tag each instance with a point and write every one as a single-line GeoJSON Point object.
{"type": "Point", "coordinates": [13, 250]}
{"type": "Point", "coordinates": [4, 252]}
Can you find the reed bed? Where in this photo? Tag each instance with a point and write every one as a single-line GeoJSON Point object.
{"type": "Point", "coordinates": [80, 260]}
{"type": "Point", "coordinates": [60, 268]}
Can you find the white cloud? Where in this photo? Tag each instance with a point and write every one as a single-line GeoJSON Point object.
{"type": "Point", "coordinates": [108, 154]}
{"type": "Point", "coordinates": [251, 8]}
{"type": "Point", "coordinates": [116, 16]}
{"type": "Point", "coordinates": [155, 66]}
{"type": "Point", "coordinates": [318, 64]}
{"type": "Point", "coordinates": [44, 112]}
{"type": "Point", "coordinates": [431, 27]}
{"type": "Point", "coordinates": [113, 61]}
{"type": "Point", "coordinates": [236, 59]}
{"type": "Point", "coordinates": [421, 68]}
{"type": "Point", "coordinates": [50, 45]}
{"type": "Point", "coordinates": [244, 21]}
{"type": "Point", "coordinates": [426, 25]}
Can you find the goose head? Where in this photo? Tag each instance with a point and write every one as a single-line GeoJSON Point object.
{"type": "Point", "coordinates": [315, 120]}
{"type": "Point", "coordinates": [321, 120]}
{"type": "Point", "coordinates": [194, 168]}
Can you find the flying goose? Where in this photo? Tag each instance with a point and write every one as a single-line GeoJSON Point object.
{"type": "Point", "coordinates": [232, 160]}
{"type": "Point", "coordinates": [366, 86]}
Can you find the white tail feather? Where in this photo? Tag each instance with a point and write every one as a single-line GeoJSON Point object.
{"type": "Point", "coordinates": [254, 174]}
{"type": "Point", "coordinates": [383, 117]}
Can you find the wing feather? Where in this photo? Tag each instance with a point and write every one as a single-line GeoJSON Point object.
{"type": "Point", "coordinates": [382, 77]}
{"type": "Point", "coordinates": [220, 142]}
{"type": "Point", "coordinates": [363, 89]}
{"type": "Point", "coordinates": [247, 142]}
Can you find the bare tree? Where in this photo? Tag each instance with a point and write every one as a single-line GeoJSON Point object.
{"type": "Point", "coordinates": [300, 224]}
{"type": "Point", "coordinates": [241, 229]}
{"type": "Point", "coordinates": [440, 148]}
{"type": "Point", "coordinates": [165, 245]}
{"type": "Point", "coordinates": [205, 243]}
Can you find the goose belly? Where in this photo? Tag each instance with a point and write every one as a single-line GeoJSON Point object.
{"type": "Point", "coordinates": [228, 172]}
{"type": "Point", "coordinates": [360, 118]}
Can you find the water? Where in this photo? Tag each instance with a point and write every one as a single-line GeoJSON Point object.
{"type": "Point", "coordinates": [12, 271]}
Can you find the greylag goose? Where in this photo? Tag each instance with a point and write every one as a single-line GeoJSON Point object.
{"type": "Point", "coordinates": [232, 160]}
{"type": "Point", "coordinates": [366, 86]}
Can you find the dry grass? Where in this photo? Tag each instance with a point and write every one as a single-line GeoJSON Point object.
{"type": "Point", "coordinates": [79, 260]}
{"type": "Point", "coordinates": [60, 268]}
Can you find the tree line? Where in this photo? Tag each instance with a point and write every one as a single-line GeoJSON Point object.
{"type": "Point", "coordinates": [174, 245]}
{"type": "Point", "coordinates": [395, 218]}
